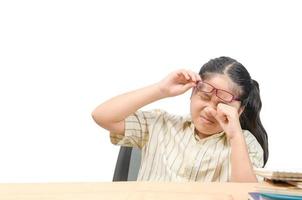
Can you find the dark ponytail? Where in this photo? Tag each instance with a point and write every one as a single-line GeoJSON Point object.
{"type": "Point", "coordinates": [250, 96]}
{"type": "Point", "coordinates": [250, 118]}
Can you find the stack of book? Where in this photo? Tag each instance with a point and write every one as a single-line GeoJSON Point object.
{"type": "Point", "coordinates": [279, 185]}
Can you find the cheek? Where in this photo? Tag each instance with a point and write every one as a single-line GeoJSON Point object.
{"type": "Point", "coordinates": [197, 106]}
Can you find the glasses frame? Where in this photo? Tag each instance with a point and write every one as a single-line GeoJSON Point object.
{"type": "Point", "coordinates": [234, 98]}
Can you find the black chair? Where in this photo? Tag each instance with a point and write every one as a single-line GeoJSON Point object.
{"type": "Point", "coordinates": [127, 164]}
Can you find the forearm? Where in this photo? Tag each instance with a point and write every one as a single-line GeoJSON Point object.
{"type": "Point", "coordinates": [121, 106]}
{"type": "Point", "coordinates": [242, 169]}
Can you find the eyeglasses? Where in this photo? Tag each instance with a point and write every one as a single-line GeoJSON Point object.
{"type": "Point", "coordinates": [221, 94]}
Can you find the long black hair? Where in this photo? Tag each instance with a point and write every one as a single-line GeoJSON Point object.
{"type": "Point", "coordinates": [250, 95]}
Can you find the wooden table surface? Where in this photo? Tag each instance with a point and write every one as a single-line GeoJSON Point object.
{"type": "Point", "coordinates": [125, 190]}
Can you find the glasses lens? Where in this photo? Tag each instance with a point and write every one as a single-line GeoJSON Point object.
{"type": "Point", "coordinates": [224, 95]}
{"type": "Point", "coordinates": [204, 87]}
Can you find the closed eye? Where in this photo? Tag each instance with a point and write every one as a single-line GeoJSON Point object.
{"type": "Point", "coordinates": [208, 96]}
{"type": "Point", "coordinates": [204, 95]}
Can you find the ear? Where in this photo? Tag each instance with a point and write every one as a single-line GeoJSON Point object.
{"type": "Point", "coordinates": [241, 109]}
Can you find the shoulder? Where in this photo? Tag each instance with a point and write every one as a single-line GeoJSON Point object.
{"type": "Point", "coordinates": [255, 150]}
{"type": "Point", "coordinates": [162, 116]}
{"type": "Point", "coordinates": [251, 142]}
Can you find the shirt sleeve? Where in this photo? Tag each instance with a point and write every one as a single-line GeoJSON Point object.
{"type": "Point", "coordinates": [137, 129]}
{"type": "Point", "coordinates": [255, 152]}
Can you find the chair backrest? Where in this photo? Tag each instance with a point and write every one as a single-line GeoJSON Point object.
{"type": "Point", "coordinates": [127, 164]}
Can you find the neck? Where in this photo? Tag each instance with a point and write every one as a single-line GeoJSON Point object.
{"type": "Point", "coordinates": [200, 134]}
{"type": "Point", "coordinates": [203, 135]}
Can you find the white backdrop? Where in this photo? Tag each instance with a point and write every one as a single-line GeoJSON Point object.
{"type": "Point", "coordinates": [60, 59]}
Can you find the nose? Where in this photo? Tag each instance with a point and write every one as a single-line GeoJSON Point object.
{"type": "Point", "coordinates": [208, 114]}
{"type": "Point", "coordinates": [214, 101]}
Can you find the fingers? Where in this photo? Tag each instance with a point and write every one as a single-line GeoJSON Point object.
{"type": "Point", "coordinates": [221, 117]}
{"type": "Point", "coordinates": [229, 111]}
{"type": "Point", "coordinates": [224, 113]}
{"type": "Point", "coordinates": [188, 86]}
{"type": "Point", "coordinates": [197, 76]}
{"type": "Point", "coordinates": [189, 75]}
{"type": "Point", "coordinates": [216, 114]}
{"type": "Point", "coordinates": [183, 73]}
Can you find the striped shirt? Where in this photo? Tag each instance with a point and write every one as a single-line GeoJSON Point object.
{"type": "Point", "coordinates": [172, 151]}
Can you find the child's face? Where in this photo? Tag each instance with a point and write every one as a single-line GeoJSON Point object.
{"type": "Point", "coordinates": [204, 122]}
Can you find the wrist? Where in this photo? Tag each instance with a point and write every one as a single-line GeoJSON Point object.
{"type": "Point", "coordinates": [160, 91]}
{"type": "Point", "coordinates": [235, 131]}
{"type": "Point", "coordinates": [237, 137]}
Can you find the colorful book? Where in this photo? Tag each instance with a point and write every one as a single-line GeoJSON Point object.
{"type": "Point", "coordinates": [279, 188]}
{"type": "Point", "coordinates": [272, 196]}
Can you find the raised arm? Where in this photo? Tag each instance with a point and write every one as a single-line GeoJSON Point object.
{"type": "Point", "coordinates": [241, 166]}
{"type": "Point", "coordinates": [112, 113]}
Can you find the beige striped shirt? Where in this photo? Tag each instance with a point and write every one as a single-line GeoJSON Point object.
{"type": "Point", "coordinates": [171, 151]}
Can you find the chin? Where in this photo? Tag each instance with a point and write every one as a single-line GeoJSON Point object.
{"type": "Point", "coordinates": [207, 130]}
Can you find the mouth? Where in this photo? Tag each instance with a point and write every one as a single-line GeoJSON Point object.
{"type": "Point", "coordinates": [207, 120]}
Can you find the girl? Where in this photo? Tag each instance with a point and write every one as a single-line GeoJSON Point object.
{"type": "Point", "coordinates": [221, 140]}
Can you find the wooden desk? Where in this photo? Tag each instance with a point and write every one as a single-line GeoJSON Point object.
{"type": "Point", "coordinates": [125, 190]}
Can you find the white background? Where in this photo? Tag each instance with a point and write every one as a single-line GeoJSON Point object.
{"type": "Point", "coordinates": [60, 59]}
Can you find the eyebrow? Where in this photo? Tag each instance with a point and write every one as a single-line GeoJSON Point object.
{"type": "Point", "coordinates": [227, 90]}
